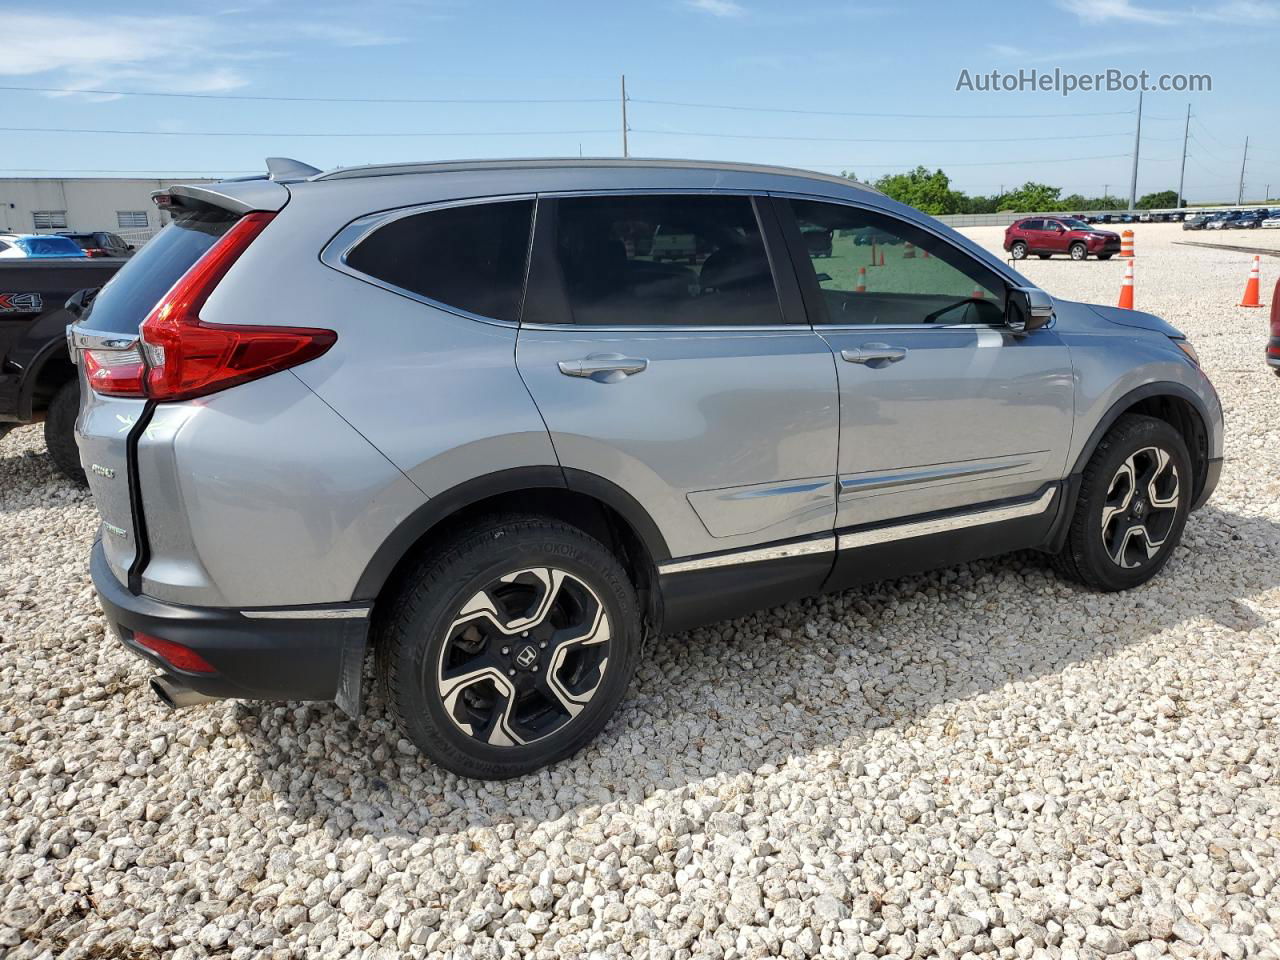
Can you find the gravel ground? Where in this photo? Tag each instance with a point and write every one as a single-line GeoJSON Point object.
{"type": "Point", "coordinates": [979, 762]}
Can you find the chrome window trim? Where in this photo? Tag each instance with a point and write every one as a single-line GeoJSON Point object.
{"type": "Point", "coordinates": [862, 538]}
{"type": "Point", "coordinates": [335, 252]}
{"type": "Point", "coordinates": [795, 328]}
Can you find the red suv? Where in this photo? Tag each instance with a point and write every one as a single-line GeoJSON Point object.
{"type": "Point", "coordinates": [1045, 236]}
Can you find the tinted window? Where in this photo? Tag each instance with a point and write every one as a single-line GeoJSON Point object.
{"type": "Point", "coordinates": [1033, 225]}
{"type": "Point", "coordinates": [471, 257]}
{"type": "Point", "coordinates": [50, 247]}
{"type": "Point", "coordinates": [129, 296]}
{"type": "Point", "coordinates": [662, 260]}
{"type": "Point", "coordinates": [906, 275]}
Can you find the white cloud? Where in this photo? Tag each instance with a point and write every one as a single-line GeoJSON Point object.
{"type": "Point", "coordinates": [1228, 11]}
{"type": "Point", "coordinates": [718, 8]}
{"type": "Point", "coordinates": [181, 54]}
{"type": "Point", "coordinates": [1100, 11]}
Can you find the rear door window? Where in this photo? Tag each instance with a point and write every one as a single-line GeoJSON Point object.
{"type": "Point", "coordinates": [471, 257]}
{"type": "Point", "coordinates": [128, 297]}
{"type": "Point", "coordinates": [655, 260]}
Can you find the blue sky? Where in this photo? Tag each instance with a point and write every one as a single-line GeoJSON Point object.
{"type": "Point", "coordinates": [832, 59]}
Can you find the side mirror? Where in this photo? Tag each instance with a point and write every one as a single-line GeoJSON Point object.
{"type": "Point", "coordinates": [1027, 309]}
{"type": "Point", "coordinates": [80, 301]}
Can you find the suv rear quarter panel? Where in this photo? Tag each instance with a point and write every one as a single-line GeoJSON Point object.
{"type": "Point", "coordinates": [265, 470]}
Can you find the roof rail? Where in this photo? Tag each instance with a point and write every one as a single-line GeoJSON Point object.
{"type": "Point", "coordinates": [454, 166]}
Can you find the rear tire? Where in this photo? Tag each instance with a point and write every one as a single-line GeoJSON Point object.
{"type": "Point", "coordinates": [1019, 250]}
{"type": "Point", "coordinates": [1134, 498]}
{"type": "Point", "coordinates": [510, 646]}
{"type": "Point", "coordinates": [60, 431]}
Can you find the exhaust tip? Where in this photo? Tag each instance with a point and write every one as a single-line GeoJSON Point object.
{"type": "Point", "coordinates": [175, 694]}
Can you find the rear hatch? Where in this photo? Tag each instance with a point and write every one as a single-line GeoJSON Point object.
{"type": "Point", "coordinates": [109, 356]}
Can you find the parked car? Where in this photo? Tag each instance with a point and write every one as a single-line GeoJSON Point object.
{"type": "Point", "coordinates": [1196, 221]}
{"type": "Point", "coordinates": [1222, 221]}
{"type": "Point", "coordinates": [37, 378]}
{"type": "Point", "coordinates": [328, 411]}
{"type": "Point", "coordinates": [818, 242]}
{"type": "Point", "coordinates": [37, 246]}
{"type": "Point", "coordinates": [100, 244]}
{"type": "Point", "coordinates": [1272, 220]}
{"type": "Point", "coordinates": [1045, 236]}
{"type": "Point", "coordinates": [1248, 220]}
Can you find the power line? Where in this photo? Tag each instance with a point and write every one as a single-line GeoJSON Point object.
{"type": "Point", "coordinates": [245, 96]}
{"type": "Point", "coordinates": [229, 133]}
{"type": "Point", "coordinates": [903, 116]}
{"type": "Point", "coordinates": [766, 136]}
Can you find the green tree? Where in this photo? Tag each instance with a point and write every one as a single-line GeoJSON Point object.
{"type": "Point", "coordinates": [1165, 198]}
{"type": "Point", "coordinates": [929, 192]}
{"type": "Point", "coordinates": [1032, 197]}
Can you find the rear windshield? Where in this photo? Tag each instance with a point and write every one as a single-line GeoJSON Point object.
{"type": "Point", "coordinates": [129, 296]}
{"type": "Point", "coordinates": [50, 247]}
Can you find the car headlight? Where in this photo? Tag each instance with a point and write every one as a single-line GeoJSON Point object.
{"type": "Point", "coordinates": [1186, 347]}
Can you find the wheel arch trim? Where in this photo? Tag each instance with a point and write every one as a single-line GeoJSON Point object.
{"type": "Point", "coordinates": [441, 507]}
{"type": "Point", "coordinates": [1158, 388]}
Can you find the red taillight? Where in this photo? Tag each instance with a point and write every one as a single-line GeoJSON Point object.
{"type": "Point", "coordinates": [186, 357]}
{"type": "Point", "coordinates": [116, 373]}
{"type": "Point", "coordinates": [174, 654]}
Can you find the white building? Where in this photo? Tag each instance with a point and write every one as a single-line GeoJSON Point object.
{"type": "Point", "coordinates": [50, 204]}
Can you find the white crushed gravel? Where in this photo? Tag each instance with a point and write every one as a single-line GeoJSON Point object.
{"type": "Point", "coordinates": [981, 762]}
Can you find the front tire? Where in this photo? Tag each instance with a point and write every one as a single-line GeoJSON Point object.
{"type": "Point", "coordinates": [1134, 499]}
{"type": "Point", "coordinates": [1079, 251]}
{"type": "Point", "coordinates": [60, 431]}
{"type": "Point", "coordinates": [510, 647]}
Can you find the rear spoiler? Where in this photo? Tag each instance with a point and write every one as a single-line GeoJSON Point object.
{"type": "Point", "coordinates": [236, 196]}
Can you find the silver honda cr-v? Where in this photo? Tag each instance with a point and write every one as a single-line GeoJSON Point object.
{"type": "Point", "coordinates": [498, 422]}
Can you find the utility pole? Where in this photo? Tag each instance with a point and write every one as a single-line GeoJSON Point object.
{"type": "Point", "coordinates": [625, 151]}
{"type": "Point", "coordinates": [1137, 142]}
{"type": "Point", "coordinates": [1182, 175]}
{"type": "Point", "coordinates": [1240, 192]}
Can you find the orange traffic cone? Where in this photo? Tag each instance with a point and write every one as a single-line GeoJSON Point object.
{"type": "Point", "coordinates": [882, 258]}
{"type": "Point", "coordinates": [1126, 289]}
{"type": "Point", "coordinates": [862, 281]}
{"type": "Point", "coordinates": [908, 251]}
{"type": "Point", "coordinates": [978, 294]}
{"type": "Point", "coordinates": [1126, 245]}
{"type": "Point", "coordinates": [1251, 288]}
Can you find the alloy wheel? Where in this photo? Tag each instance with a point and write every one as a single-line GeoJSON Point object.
{"type": "Point", "coordinates": [1140, 508]}
{"type": "Point", "coordinates": [523, 656]}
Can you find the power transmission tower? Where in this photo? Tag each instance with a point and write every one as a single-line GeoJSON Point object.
{"type": "Point", "coordinates": [1137, 142]}
{"type": "Point", "coordinates": [625, 151]}
{"type": "Point", "coordinates": [1182, 175]}
{"type": "Point", "coordinates": [1243, 160]}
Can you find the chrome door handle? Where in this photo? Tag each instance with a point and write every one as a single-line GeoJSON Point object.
{"type": "Point", "coordinates": [604, 368]}
{"type": "Point", "coordinates": [874, 354]}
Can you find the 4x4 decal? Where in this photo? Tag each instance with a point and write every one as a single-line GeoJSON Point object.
{"type": "Point", "coordinates": [21, 303]}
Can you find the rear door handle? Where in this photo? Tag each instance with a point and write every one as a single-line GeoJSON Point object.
{"type": "Point", "coordinates": [604, 367]}
{"type": "Point", "coordinates": [874, 354]}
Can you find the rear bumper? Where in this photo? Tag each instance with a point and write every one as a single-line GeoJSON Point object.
{"type": "Point", "coordinates": [295, 653]}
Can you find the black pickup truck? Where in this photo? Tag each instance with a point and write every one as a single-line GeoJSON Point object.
{"type": "Point", "coordinates": [37, 378]}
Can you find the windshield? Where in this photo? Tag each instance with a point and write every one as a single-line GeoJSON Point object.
{"type": "Point", "coordinates": [129, 296]}
{"type": "Point", "coordinates": [1074, 224]}
{"type": "Point", "coordinates": [50, 247]}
